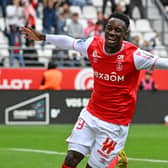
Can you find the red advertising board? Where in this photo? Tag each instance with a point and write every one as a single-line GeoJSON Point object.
{"type": "Point", "coordinates": [29, 79]}
{"type": "Point", "coordinates": [73, 78]}
{"type": "Point", "coordinates": [17, 79]}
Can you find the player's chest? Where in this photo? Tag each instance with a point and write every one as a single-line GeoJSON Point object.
{"type": "Point", "coordinates": [120, 62]}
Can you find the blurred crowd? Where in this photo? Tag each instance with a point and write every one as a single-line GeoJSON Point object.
{"type": "Point", "coordinates": [58, 18]}
{"type": "Point", "coordinates": [165, 4]}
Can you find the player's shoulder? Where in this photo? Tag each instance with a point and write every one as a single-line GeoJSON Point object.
{"type": "Point", "coordinates": [83, 41]}
{"type": "Point", "coordinates": [96, 42]}
{"type": "Point", "coordinates": [130, 46]}
{"type": "Point", "coordinates": [98, 39]}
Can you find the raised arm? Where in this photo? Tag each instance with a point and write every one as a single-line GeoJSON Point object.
{"type": "Point", "coordinates": [32, 34]}
{"type": "Point", "coordinates": [61, 41]}
{"type": "Point", "coordinates": [161, 63]}
{"type": "Point", "coordinates": [148, 61]}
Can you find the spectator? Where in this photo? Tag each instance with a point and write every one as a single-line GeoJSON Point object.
{"type": "Point", "coordinates": [122, 6]}
{"type": "Point", "coordinates": [139, 5]}
{"type": "Point", "coordinates": [49, 17]}
{"type": "Point", "coordinates": [79, 3]}
{"type": "Point", "coordinates": [89, 29]}
{"type": "Point", "coordinates": [65, 8]}
{"type": "Point", "coordinates": [147, 83]}
{"type": "Point", "coordinates": [15, 13]}
{"type": "Point", "coordinates": [165, 4]}
{"type": "Point", "coordinates": [74, 28]}
{"type": "Point", "coordinates": [61, 23]}
{"type": "Point", "coordinates": [113, 4]}
{"type": "Point", "coordinates": [118, 8]}
{"type": "Point", "coordinates": [3, 4]}
{"type": "Point", "coordinates": [29, 13]}
{"type": "Point", "coordinates": [59, 55]}
{"type": "Point", "coordinates": [89, 2]}
{"type": "Point", "coordinates": [148, 45]}
{"type": "Point", "coordinates": [14, 38]}
{"type": "Point", "coordinates": [136, 40]}
{"type": "Point", "coordinates": [35, 4]}
{"type": "Point", "coordinates": [52, 78]}
{"type": "Point", "coordinates": [101, 18]}
{"type": "Point", "coordinates": [99, 30]}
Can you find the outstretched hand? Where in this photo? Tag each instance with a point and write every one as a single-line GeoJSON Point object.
{"type": "Point", "coordinates": [32, 34]}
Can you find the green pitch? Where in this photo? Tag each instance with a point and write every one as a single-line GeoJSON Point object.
{"type": "Point", "coordinates": [44, 146]}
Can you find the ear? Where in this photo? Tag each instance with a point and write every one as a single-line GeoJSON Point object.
{"type": "Point", "coordinates": [127, 33]}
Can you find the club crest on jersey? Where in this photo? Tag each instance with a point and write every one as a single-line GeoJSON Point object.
{"type": "Point", "coordinates": [119, 66]}
{"type": "Point", "coordinates": [120, 57]}
{"type": "Point", "coordinates": [95, 56]}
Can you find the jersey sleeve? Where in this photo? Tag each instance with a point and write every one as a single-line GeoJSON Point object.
{"type": "Point", "coordinates": [144, 60]}
{"type": "Point", "coordinates": [61, 41]}
{"type": "Point", "coordinates": [82, 45]}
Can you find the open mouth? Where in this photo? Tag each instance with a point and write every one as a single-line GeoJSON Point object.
{"type": "Point", "coordinates": [112, 40]}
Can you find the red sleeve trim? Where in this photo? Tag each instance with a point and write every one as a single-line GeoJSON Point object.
{"type": "Point", "coordinates": [152, 67]}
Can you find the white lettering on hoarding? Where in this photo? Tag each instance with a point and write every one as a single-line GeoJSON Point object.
{"type": "Point", "coordinates": [55, 113]}
{"type": "Point", "coordinates": [23, 114]}
{"type": "Point", "coordinates": [15, 84]}
{"type": "Point", "coordinates": [76, 102]}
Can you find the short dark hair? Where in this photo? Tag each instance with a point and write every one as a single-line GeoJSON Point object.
{"type": "Point", "coordinates": [148, 73]}
{"type": "Point", "coordinates": [75, 14]}
{"type": "Point", "coordinates": [122, 17]}
{"type": "Point", "coordinates": [51, 65]}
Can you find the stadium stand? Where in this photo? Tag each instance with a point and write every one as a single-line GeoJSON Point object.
{"type": "Point", "coordinates": [143, 26]}
{"type": "Point", "coordinates": [77, 9]}
{"type": "Point", "coordinates": [154, 26]}
{"type": "Point", "coordinates": [89, 12]}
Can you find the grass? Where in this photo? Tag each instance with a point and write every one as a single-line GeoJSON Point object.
{"type": "Point", "coordinates": [144, 142]}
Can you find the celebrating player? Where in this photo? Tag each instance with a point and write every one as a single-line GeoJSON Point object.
{"type": "Point", "coordinates": [102, 127]}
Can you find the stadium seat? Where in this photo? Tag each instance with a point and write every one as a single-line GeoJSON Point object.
{"type": "Point", "coordinates": [77, 9]}
{"type": "Point", "coordinates": [74, 54]}
{"type": "Point", "coordinates": [149, 35]}
{"type": "Point", "coordinates": [41, 57]}
{"type": "Point", "coordinates": [3, 39]}
{"type": "Point", "coordinates": [97, 3]}
{"type": "Point", "coordinates": [48, 50]}
{"type": "Point", "coordinates": [68, 21]}
{"type": "Point", "coordinates": [132, 25]}
{"type": "Point", "coordinates": [89, 12]}
{"type": "Point", "coordinates": [39, 25]}
{"type": "Point", "coordinates": [45, 53]}
{"type": "Point", "coordinates": [143, 25]}
{"type": "Point", "coordinates": [4, 55]}
{"type": "Point", "coordinates": [160, 50]}
{"type": "Point", "coordinates": [83, 22]}
{"type": "Point", "coordinates": [2, 24]}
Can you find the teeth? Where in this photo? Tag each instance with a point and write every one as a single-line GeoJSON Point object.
{"type": "Point", "coordinates": [112, 39]}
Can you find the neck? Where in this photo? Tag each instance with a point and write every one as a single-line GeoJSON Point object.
{"type": "Point", "coordinates": [111, 50]}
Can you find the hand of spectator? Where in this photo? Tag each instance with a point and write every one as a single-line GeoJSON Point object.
{"type": "Point", "coordinates": [32, 34]}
